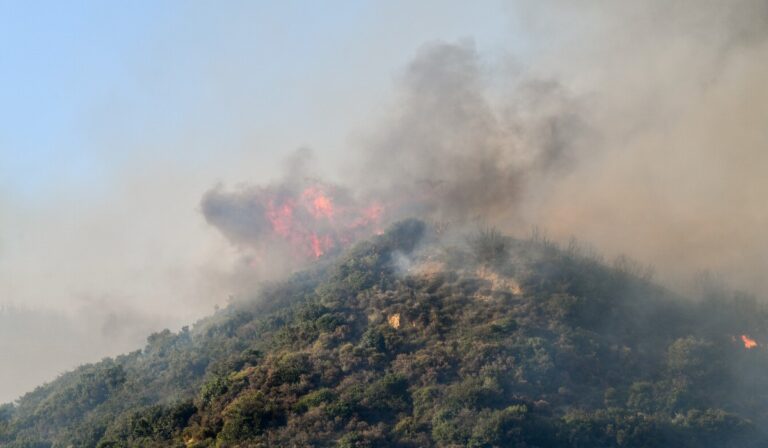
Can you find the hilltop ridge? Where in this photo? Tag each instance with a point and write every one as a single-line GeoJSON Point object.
{"type": "Point", "coordinates": [411, 341]}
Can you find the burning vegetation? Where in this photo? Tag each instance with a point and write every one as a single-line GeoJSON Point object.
{"type": "Point", "coordinates": [748, 342]}
{"type": "Point", "coordinates": [306, 221]}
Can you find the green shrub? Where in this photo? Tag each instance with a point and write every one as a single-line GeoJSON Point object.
{"type": "Point", "coordinates": [314, 399]}
{"type": "Point", "coordinates": [246, 417]}
{"type": "Point", "coordinates": [289, 368]}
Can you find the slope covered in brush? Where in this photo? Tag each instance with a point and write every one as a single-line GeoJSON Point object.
{"type": "Point", "coordinates": [404, 341]}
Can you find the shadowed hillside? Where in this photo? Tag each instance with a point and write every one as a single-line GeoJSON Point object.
{"type": "Point", "coordinates": [408, 340]}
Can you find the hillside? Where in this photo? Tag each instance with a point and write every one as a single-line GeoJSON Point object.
{"type": "Point", "coordinates": [411, 342]}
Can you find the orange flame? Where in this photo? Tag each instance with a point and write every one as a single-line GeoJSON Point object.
{"type": "Point", "coordinates": [370, 215]}
{"type": "Point", "coordinates": [320, 244]}
{"type": "Point", "coordinates": [317, 219]}
{"type": "Point", "coordinates": [319, 204]}
{"type": "Point", "coordinates": [748, 342]}
{"type": "Point", "coordinates": [281, 217]}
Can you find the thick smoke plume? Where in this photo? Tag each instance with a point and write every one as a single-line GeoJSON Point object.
{"type": "Point", "coordinates": [446, 155]}
{"type": "Point", "coordinates": [458, 155]}
{"type": "Point", "coordinates": [636, 127]}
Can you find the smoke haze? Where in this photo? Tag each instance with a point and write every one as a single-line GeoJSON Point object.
{"type": "Point", "coordinates": [640, 128]}
{"type": "Point", "coordinates": [636, 128]}
{"type": "Point", "coordinates": [677, 94]}
{"type": "Point", "coordinates": [444, 152]}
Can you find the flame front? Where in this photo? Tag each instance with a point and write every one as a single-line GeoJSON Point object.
{"type": "Point", "coordinates": [316, 219]}
{"type": "Point", "coordinates": [281, 217]}
{"type": "Point", "coordinates": [318, 203]}
{"type": "Point", "coordinates": [321, 244]}
{"type": "Point", "coordinates": [748, 342]}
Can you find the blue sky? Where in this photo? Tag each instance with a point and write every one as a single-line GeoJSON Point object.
{"type": "Point", "coordinates": [86, 86]}
{"type": "Point", "coordinates": [56, 59]}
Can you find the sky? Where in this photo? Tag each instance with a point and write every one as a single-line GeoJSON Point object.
{"type": "Point", "coordinates": [115, 118]}
{"type": "Point", "coordinates": [637, 127]}
{"type": "Point", "coordinates": [82, 77]}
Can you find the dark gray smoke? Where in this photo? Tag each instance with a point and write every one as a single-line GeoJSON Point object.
{"type": "Point", "coordinates": [453, 153]}
{"type": "Point", "coordinates": [676, 92]}
{"type": "Point", "coordinates": [446, 153]}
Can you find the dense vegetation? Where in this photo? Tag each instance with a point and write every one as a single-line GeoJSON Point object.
{"type": "Point", "coordinates": [406, 342]}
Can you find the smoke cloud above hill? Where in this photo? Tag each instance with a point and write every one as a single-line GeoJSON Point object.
{"type": "Point", "coordinates": [443, 153]}
{"type": "Point", "coordinates": [636, 128]}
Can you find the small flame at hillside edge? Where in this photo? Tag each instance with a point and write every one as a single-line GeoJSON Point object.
{"type": "Point", "coordinates": [748, 342]}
